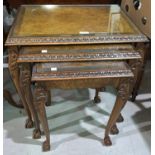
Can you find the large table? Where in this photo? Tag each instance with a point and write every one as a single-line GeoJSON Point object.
{"type": "Point", "coordinates": [81, 33]}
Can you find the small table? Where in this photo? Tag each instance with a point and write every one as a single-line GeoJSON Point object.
{"type": "Point", "coordinates": [69, 75]}
{"type": "Point", "coordinates": [82, 33]}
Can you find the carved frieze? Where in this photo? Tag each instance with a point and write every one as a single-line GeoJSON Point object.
{"type": "Point", "coordinates": [76, 39]}
{"type": "Point", "coordinates": [82, 74]}
{"type": "Point", "coordinates": [99, 54]}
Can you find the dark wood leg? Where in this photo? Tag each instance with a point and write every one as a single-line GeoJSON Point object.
{"type": "Point", "coordinates": [137, 84]}
{"type": "Point", "coordinates": [40, 99]}
{"type": "Point", "coordinates": [7, 95]}
{"type": "Point", "coordinates": [25, 82]}
{"type": "Point", "coordinates": [120, 118]}
{"type": "Point", "coordinates": [113, 117]}
{"type": "Point", "coordinates": [123, 94]}
{"type": "Point", "coordinates": [14, 72]}
{"type": "Point", "coordinates": [138, 67]}
{"type": "Point", "coordinates": [97, 98]}
{"type": "Point", "coordinates": [48, 102]}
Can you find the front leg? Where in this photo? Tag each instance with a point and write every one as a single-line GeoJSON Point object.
{"type": "Point", "coordinates": [14, 72]}
{"type": "Point", "coordinates": [98, 100]}
{"type": "Point", "coordinates": [25, 82]}
{"type": "Point", "coordinates": [39, 100]}
{"type": "Point", "coordinates": [123, 94]}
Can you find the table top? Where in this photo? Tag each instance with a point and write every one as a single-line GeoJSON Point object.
{"type": "Point", "coordinates": [79, 24]}
{"type": "Point", "coordinates": [74, 53]}
{"type": "Point", "coordinates": [78, 70]}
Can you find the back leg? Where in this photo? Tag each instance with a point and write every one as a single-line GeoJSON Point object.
{"type": "Point", "coordinates": [97, 98]}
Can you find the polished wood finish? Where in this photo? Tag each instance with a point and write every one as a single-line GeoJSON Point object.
{"type": "Point", "coordinates": [25, 76]}
{"type": "Point", "coordinates": [17, 3]}
{"type": "Point", "coordinates": [124, 90]}
{"type": "Point", "coordinates": [143, 49]}
{"type": "Point", "coordinates": [78, 53]}
{"type": "Point", "coordinates": [79, 70]}
{"type": "Point", "coordinates": [72, 25]}
{"type": "Point", "coordinates": [102, 19]}
{"type": "Point", "coordinates": [14, 72]}
{"type": "Point", "coordinates": [117, 74]}
{"type": "Point", "coordinates": [86, 46]}
{"type": "Point", "coordinates": [39, 100]}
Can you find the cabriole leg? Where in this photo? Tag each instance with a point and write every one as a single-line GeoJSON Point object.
{"type": "Point", "coordinates": [14, 72]}
{"type": "Point", "coordinates": [25, 82]}
{"type": "Point", "coordinates": [123, 94]}
{"type": "Point", "coordinates": [40, 99]}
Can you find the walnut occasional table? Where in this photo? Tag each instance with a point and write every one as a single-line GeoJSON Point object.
{"type": "Point", "coordinates": [59, 34]}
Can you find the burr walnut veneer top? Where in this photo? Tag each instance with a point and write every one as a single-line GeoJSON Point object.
{"type": "Point", "coordinates": [57, 24]}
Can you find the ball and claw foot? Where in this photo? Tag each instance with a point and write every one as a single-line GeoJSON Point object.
{"type": "Point", "coordinates": [120, 118]}
{"type": "Point", "coordinates": [97, 99]}
{"type": "Point", "coordinates": [29, 124]}
{"type": "Point", "coordinates": [107, 141]}
{"type": "Point", "coordinates": [36, 134]}
{"type": "Point", "coordinates": [46, 146]}
{"type": "Point", "coordinates": [114, 130]}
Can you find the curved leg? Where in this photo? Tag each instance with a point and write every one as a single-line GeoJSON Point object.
{"type": "Point", "coordinates": [7, 95]}
{"type": "Point", "coordinates": [123, 94]}
{"type": "Point", "coordinates": [97, 98]}
{"type": "Point", "coordinates": [14, 72]}
{"type": "Point", "coordinates": [25, 82]}
{"type": "Point", "coordinates": [40, 99]}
